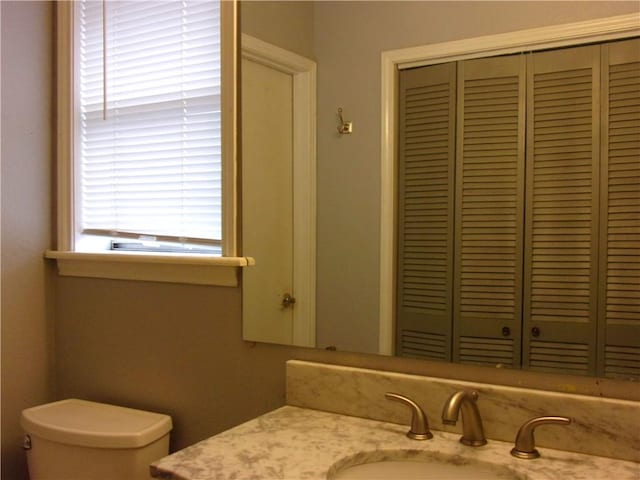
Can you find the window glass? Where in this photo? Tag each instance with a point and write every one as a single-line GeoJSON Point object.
{"type": "Point", "coordinates": [148, 125]}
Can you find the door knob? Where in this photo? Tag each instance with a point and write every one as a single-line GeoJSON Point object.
{"type": "Point", "coordinates": [288, 300]}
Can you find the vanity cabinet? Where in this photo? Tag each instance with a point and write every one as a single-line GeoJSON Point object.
{"type": "Point", "coordinates": [519, 211]}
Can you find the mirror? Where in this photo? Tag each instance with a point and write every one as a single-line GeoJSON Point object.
{"type": "Point", "coordinates": [345, 40]}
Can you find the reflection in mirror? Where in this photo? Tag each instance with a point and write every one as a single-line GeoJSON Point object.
{"type": "Point", "coordinates": [346, 40]}
{"type": "Point", "coordinates": [278, 193]}
{"type": "Point", "coordinates": [490, 275]}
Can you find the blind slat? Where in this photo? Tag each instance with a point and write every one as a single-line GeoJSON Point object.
{"type": "Point", "coordinates": [152, 166]}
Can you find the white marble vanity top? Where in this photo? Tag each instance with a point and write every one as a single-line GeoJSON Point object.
{"type": "Point", "coordinates": [293, 443]}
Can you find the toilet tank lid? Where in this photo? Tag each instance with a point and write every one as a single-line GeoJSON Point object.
{"type": "Point", "coordinates": [91, 424]}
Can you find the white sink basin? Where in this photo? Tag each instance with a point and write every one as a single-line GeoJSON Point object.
{"type": "Point", "coordinates": [413, 465]}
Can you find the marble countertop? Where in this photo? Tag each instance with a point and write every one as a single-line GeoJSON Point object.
{"type": "Point", "coordinates": [293, 443]}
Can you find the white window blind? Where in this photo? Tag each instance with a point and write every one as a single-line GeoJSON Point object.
{"type": "Point", "coordinates": [148, 127]}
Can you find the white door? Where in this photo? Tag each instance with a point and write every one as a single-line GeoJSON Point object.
{"type": "Point", "coordinates": [267, 202]}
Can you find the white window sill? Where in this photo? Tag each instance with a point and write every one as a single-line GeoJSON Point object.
{"type": "Point", "coordinates": [174, 268]}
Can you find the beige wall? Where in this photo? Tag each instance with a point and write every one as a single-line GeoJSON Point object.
{"type": "Point", "coordinates": [288, 24]}
{"type": "Point", "coordinates": [26, 192]}
{"type": "Point", "coordinates": [349, 38]}
{"type": "Point", "coordinates": [171, 348]}
{"type": "Point", "coordinates": [177, 349]}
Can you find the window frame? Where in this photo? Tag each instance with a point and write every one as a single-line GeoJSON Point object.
{"type": "Point", "coordinates": [181, 268]}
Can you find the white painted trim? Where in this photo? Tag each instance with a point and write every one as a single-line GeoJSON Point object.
{"type": "Point", "coordinates": [189, 269]}
{"type": "Point", "coordinates": [230, 118]}
{"type": "Point", "coordinates": [555, 36]}
{"type": "Point", "coordinates": [387, 205]}
{"type": "Point", "coordinates": [65, 124]}
{"type": "Point", "coordinates": [598, 30]}
{"type": "Point", "coordinates": [275, 57]}
{"type": "Point", "coordinates": [303, 72]}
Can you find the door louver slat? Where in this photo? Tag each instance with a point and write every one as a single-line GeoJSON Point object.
{"type": "Point", "coordinates": [425, 182]}
{"type": "Point", "coordinates": [418, 344]}
{"type": "Point", "coordinates": [619, 313]}
{"type": "Point", "coordinates": [561, 211]}
{"type": "Point", "coordinates": [487, 351]}
{"type": "Point", "coordinates": [559, 357]}
{"type": "Point", "coordinates": [622, 362]}
{"type": "Point", "coordinates": [489, 203]}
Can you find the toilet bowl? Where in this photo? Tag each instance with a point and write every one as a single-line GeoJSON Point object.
{"type": "Point", "coordinates": [80, 440]}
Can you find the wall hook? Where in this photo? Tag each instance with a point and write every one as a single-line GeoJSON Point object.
{"type": "Point", "coordinates": [344, 127]}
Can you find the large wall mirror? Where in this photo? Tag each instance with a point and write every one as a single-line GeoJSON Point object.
{"type": "Point", "coordinates": [356, 209]}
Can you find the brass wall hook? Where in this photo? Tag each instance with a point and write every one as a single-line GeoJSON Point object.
{"type": "Point", "coordinates": [344, 127]}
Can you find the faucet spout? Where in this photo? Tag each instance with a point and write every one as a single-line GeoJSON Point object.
{"type": "Point", "coordinates": [464, 403]}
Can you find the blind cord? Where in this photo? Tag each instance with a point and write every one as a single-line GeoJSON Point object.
{"type": "Point", "coordinates": [104, 59]}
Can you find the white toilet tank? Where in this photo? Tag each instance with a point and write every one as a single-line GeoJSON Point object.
{"type": "Point", "coordinates": [80, 440]}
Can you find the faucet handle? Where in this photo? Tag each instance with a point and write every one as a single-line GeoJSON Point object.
{"type": "Point", "coordinates": [525, 443]}
{"type": "Point", "coordinates": [419, 423]}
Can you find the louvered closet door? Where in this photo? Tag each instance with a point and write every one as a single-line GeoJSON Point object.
{"type": "Point", "coordinates": [489, 211]}
{"type": "Point", "coordinates": [562, 210]}
{"type": "Point", "coordinates": [619, 304]}
{"type": "Point", "coordinates": [425, 211]}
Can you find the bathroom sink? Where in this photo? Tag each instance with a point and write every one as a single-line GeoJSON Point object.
{"type": "Point", "coordinates": [417, 465]}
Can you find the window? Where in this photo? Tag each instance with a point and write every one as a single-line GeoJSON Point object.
{"type": "Point", "coordinates": [146, 125]}
{"type": "Point", "coordinates": [147, 119]}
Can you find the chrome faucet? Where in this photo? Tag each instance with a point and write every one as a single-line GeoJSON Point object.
{"type": "Point", "coordinates": [472, 430]}
{"type": "Point", "coordinates": [419, 423]}
{"type": "Point", "coordinates": [525, 443]}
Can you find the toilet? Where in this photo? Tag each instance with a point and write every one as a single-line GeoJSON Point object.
{"type": "Point", "coordinates": [80, 440]}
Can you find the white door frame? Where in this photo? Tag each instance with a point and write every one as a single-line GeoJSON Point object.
{"type": "Point", "coordinates": [303, 72]}
{"type": "Point", "coordinates": [598, 30]}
